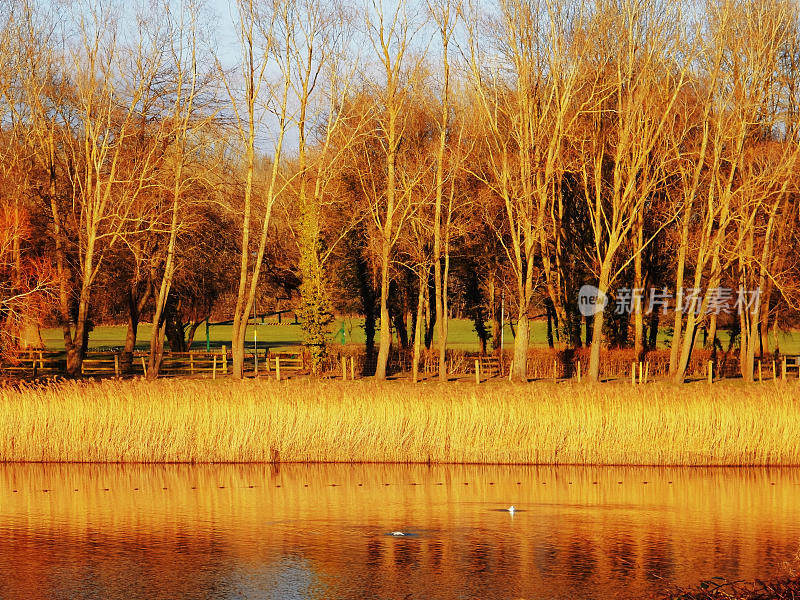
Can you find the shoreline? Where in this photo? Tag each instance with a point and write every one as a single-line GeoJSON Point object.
{"type": "Point", "coordinates": [186, 421]}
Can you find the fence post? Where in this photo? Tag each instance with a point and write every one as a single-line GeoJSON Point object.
{"type": "Point", "coordinates": [277, 368]}
{"type": "Point", "coordinates": [760, 378]}
{"type": "Point", "coordinates": [710, 372]}
{"type": "Point", "coordinates": [646, 371]}
{"type": "Point", "coordinates": [510, 369]}
{"type": "Point", "coordinates": [774, 371]}
{"type": "Point", "coordinates": [116, 365]}
{"type": "Point", "coordinates": [255, 363]}
{"type": "Point", "coordinates": [144, 367]}
{"type": "Point", "coordinates": [579, 371]}
{"type": "Point", "coordinates": [225, 360]}
{"type": "Point", "coordinates": [352, 368]}
{"type": "Point", "coordinates": [214, 368]}
{"type": "Point", "coordinates": [555, 370]}
{"type": "Point", "coordinates": [477, 371]}
{"type": "Point", "coordinates": [191, 363]}
{"type": "Point", "coordinates": [344, 368]}
{"type": "Point", "coordinates": [783, 370]}
{"type": "Point", "coordinates": [633, 373]}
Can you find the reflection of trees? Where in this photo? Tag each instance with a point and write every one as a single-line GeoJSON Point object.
{"type": "Point", "coordinates": [622, 556]}
{"type": "Point", "coordinates": [659, 559]}
{"type": "Point", "coordinates": [203, 532]}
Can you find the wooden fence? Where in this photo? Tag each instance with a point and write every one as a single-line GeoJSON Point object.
{"type": "Point", "coordinates": [38, 363]}
{"type": "Point", "coordinates": [541, 364]}
{"type": "Point", "coordinates": [34, 363]}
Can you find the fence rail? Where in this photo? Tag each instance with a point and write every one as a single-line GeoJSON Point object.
{"type": "Point", "coordinates": [541, 364]}
{"type": "Point", "coordinates": [34, 363]}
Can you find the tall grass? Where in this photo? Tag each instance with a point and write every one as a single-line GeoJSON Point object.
{"type": "Point", "coordinates": [541, 423]}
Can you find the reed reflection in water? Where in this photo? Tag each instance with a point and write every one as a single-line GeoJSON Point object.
{"type": "Point", "coordinates": [324, 531]}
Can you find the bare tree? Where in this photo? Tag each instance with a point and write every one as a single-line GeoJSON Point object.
{"type": "Point", "coordinates": [110, 82]}
{"type": "Point", "coordinates": [265, 40]}
{"type": "Point", "coordinates": [742, 47]}
{"type": "Point", "coordinates": [391, 35]}
{"type": "Point", "coordinates": [183, 121]}
{"type": "Point", "coordinates": [633, 109]}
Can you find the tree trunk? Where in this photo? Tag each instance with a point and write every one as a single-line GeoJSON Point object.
{"type": "Point", "coordinates": [549, 309]}
{"type": "Point", "coordinates": [520, 372]}
{"type": "Point", "coordinates": [678, 320]}
{"type": "Point", "coordinates": [423, 276]}
{"type": "Point", "coordinates": [597, 325]}
{"type": "Point", "coordinates": [495, 314]}
{"type": "Point", "coordinates": [638, 289]}
{"type": "Point", "coordinates": [367, 307]}
{"type": "Point", "coordinates": [432, 316]}
{"type": "Point", "coordinates": [385, 337]}
{"type": "Point", "coordinates": [712, 336]}
{"type": "Point", "coordinates": [80, 338]}
{"type": "Point", "coordinates": [136, 303]}
{"type": "Point", "coordinates": [78, 351]}
{"type": "Point", "coordinates": [654, 324]}
{"type": "Point", "coordinates": [441, 311]}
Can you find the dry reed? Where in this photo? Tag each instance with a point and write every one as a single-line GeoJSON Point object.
{"type": "Point", "coordinates": [302, 420]}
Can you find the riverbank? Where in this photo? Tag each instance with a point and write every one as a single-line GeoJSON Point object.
{"type": "Point", "coordinates": [716, 589]}
{"type": "Point", "coordinates": [729, 423]}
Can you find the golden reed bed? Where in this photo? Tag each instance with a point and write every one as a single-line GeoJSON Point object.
{"type": "Point", "coordinates": [331, 421]}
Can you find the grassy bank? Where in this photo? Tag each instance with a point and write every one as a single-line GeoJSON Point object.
{"type": "Point", "coordinates": [542, 423]}
{"type": "Point", "coordinates": [461, 336]}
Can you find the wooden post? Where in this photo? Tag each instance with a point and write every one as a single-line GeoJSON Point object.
{"type": "Point", "coordinates": [477, 371]}
{"type": "Point", "coordinates": [783, 370]}
{"type": "Point", "coordinates": [144, 367]}
{"type": "Point", "coordinates": [255, 363]}
{"type": "Point", "coordinates": [116, 365]}
{"type": "Point", "coordinates": [214, 368]}
{"type": "Point", "coordinates": [225, 360]}
{"type": "Point", "coordinates": [774, 371]}
{"type": "Point", "coordinates": [266, 360]}
{"type": "Point", "coordinates": [710, 372]}
{"type": "Point", "coordinates": [579, 371]}
{"type": "Point", "coordinates": [277, 368]}
{"type": "Point", "coordinates": [191, 363]}
{"type": "Point", "coordinates": [641, 371]}
{"type": "Point", "coordinates": [555, 370]}
{"type": "Point", "coordinates": [344, 368]}
{"type": "Point", "coordinates": [646, 371]}
{"type": "Point", "coordinates": [633, 373]}
{"type": "Point", "coordinates": [352, 368]}
{"type": "Point", "coordinates": [760, 377]}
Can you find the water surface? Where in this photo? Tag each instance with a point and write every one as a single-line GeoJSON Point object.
{"type": "Point", "coordinates": [324, 531]}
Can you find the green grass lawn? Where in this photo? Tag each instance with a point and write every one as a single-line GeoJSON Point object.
{"type": "Point", "coordinates": [461, 335]}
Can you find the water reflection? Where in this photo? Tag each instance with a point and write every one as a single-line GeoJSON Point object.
{"type": "Point", "coordinates": [320, 531]}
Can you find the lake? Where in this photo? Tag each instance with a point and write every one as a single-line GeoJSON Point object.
{"type": "Point", "coordinates": [325, 531]}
